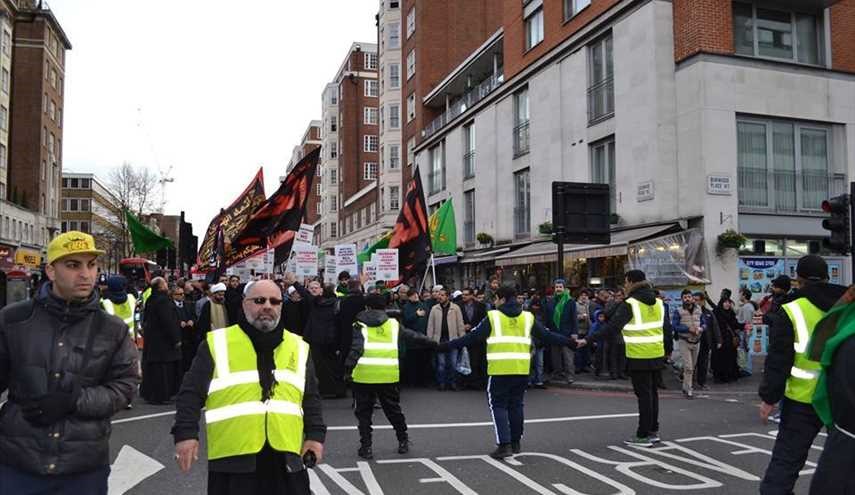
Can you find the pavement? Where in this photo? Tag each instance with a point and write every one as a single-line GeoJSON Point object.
{"type": "Point", "coordinates": [572, 445]}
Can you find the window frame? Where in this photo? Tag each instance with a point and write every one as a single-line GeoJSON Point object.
{"type": "Point", "coordinates": [609, 175]}
{"type": "Point", "coordinates": [572, 9]}
{"type": "Point", "coordinates": [371, 88]}
{"type": "Point", "coordinates": [522, 229]}
{"type": "Point", "coordinates": [821, 40]}
{"type": "Point", "coordinates": [370, 116]}
{"type": "Point", "coordinates": [411, 64]}
{"type": "Point", "coordinates": [528, 42]}
{"type": "Point", "coordinates": [367, 143]}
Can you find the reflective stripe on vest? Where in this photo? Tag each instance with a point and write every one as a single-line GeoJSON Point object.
{"type": "Point", "coordinates": [643, 335]}
{"type": "Point", "coordinates": [379, 360]}
{"type": "Point", "coordinates": [125, 311]}
{"type": "Point", "coordinates": [237, 421]}
{"type": "Point", "coordinates": [805, 373]}
{"type": "Point", "coordinates": [509, 343]}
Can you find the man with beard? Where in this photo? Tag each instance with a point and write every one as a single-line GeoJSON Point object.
{"type": "Point", "coordinates": [233, 297]}
{"type": "Point", "coordinates": [68, 367]}
{"type": "Point", "coordinates": [687, 323]}
{"type": "Point", "coordinates": [473, 313]}
{"type": "Point", "coordinates": [215, 314]}
{"type": "Point", "coordinates": [263, 415]}
{"type": "Point", "coordinates": [162, 351]}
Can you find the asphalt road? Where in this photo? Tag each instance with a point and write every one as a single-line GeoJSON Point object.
{"type": "Point", "coordinates": [572, 445]}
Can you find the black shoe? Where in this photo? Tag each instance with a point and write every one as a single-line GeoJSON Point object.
{"type": "Point", "coordinates": [365, 452]}
{"type": "Point", "coordinates": [403, 446]}
{"type": "Point", "coordinates": [502, 451]}
{"type": "Point", "coordinates": [441, 387]}
{"type": "Point", "coordinates": [454, 387]}
{"type": "Point", "coordinates": [516, 448]}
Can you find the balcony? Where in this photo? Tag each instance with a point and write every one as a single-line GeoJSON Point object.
{"type": "Point", "coordinates": [786, 191]}
{"type": "Point", "coordinates": [463, 103]}
{"type": "Point", "coordinates": [601, 101]}
{"type": "Point", "coordinates": [521, 139]}
{"type": "Point", "coordinates": [469, 165]}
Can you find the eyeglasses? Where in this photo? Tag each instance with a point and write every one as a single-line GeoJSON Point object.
{"type": "Point", "coordinates": [274, 301]}
{"type": "Point", "coordinates": [178, 294]}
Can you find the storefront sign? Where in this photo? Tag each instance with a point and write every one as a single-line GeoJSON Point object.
{"type": "Point", "coordinates": [645, 191]}
{"type": "Point", "coordinates": [756, 273]}
{"type": "Point", "coordinates": [30, 259]}
{"type": "Point", "coordinates": [7, 257]}
{"type": "Point", "coordinates": [674, 260]}
{"type": "Point", "coordinates": [719, 185]}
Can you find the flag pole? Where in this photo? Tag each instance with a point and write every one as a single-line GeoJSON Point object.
{"type": "Point", "coordinates": [433, 267]}
{"type": "Point", "coordinates": [424, 278]}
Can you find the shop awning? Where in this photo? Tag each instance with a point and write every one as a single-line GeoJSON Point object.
{"type": "Point", "coordinates": [546, 252]}
{"type": "Point", "coordinates": [445, 260]}
{"type": "Point", "coordinates": [483, 256]}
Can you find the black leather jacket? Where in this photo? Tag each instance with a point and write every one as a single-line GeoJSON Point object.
{"type": "Point", "coordinates": [42, 346]}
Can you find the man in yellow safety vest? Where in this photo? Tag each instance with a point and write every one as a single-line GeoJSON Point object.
{"type": "Point", "coordinates": [508, 332]}
{"type": "Point", "coordinates": [372, 366]}
{"type": "Point", "coordinates": [790, 376]}
{"type": "Point", "coordinates": [263, 417]}
{"type": "Point", "coordinates": [117, 302]}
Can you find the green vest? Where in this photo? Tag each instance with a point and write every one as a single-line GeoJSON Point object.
{"type": "Point", "coordinates": [804, 374]}
{"type": "Point", "coordinates": [643, 335]}
{"type": "Point", "coordinates": [379, 360]}
{"type": "Point", "coordinates": [842, 317]}
{"type": "Point", "coordinates": [145, 295]}
{"type": "Point", "coordinates": [509, 344]}
{"type": "Point", "coordinates": [237, 421]}
{"type": "Point", "coordinates": [124, 311]}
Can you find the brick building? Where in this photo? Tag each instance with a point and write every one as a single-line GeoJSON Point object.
{"type": "Point", "coordinates": [310, 141]}
{"type": "Point", "coordinates": [87, 205]}
{"type": "Point", "coordinates": [701, 115]}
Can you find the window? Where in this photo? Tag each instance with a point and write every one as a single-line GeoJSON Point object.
{"type": "Point", "coordinates": [784, 165]}
{"type": "Point", "coordinates": [370, 62]}
{"type": "Point", "coordinates": [333, 203]}
{"type": "Point", "coordinates": [4, 119]}
{"type": "Point", "coordinates": [394, 116]}
{"type": "Point", "coordinates": [73, 205]}
{"type": "Point", "coordinates": [411, 107]}
{"type": "Point", "coordinates": [359, 217]}
{"type": "Point", "coordinates": [318, 188]}
{"type": "Point", "coordinates": [318, 207]}
{"type": "Point", "coordinates": [333, 174]}
{"type": "Point", "coordinates": [436, 177]}
{"type": "Point", "coordinates": [522, 204]}
{"type": "Point", "coordinates": [521, 122]}
{"type": "Point", "coordinates": [5, 80]}
{"type": "Point", "coordinates": [51, 142]}
{"type": "Point", "coordinates": [369, 116]}
{"type": "Point", "coordinates": [394, 156]}
{"type": "Point", "coordinates": [333, 150]}
{"type": "Point", "coordinates": [601, 88]}
{"type": "Point", "coordinates": [394, 76]}
{"type": "Point", "coordinates": [534, 29]}
{"type": "Point", "coordinates": [7, 42]}
{"type": "Point", "coordinates": [411, 22]}
{"type": "Point", "coordinates": [394, 199]}
{"type": "Point", "coordinates": [75, 183]}
{"type": "Point", "coordinates": [781, 34]}
{"type": "Point", "coordinates": [84, 205]}
{"type": "Point", "coordinates": [411, 151]}
{"type": "Point", "coordinates": [52, 110]}
{"type": "Point", "coordinates": [411, 64]}
{"type": "Point", "coordinates": [468, 151]}
{"type": "Point", "coordinates": [370, 144]}
{"type": "Point", "coordinates": [469, 217]}
{"type": "Point", "coordinates": [4, 157]}
{"type": "Point", "coordinates": [369, 171]}
{"type": "Point", "coordinates": [573, 7]}
{"type": "Point", "coordinates": [334, 97]}
{"type": "Point", "coordinates": [394, 35]}
{"type": "Point", "coordinates": [84, 227]}
{"type": "Point", "coordinates": [85, 183]}
{"type": "Point", "coordinates": [372, 212]}
{"type": "Point", "coordinates": [333, 124]}
{"type": "Point", "coordinates": [603, 168]}
{"type": "Point", "coordinates": [371, 88]}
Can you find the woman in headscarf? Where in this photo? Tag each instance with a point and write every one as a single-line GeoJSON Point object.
{"type": "Point", "coordinates": [724, 364]}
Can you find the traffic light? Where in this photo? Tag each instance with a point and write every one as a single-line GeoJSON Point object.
{"type": "Point", "coordinates": [839, 224]}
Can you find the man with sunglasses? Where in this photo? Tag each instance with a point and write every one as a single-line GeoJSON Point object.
{"type": "Point", "coordinates": [256, 381]}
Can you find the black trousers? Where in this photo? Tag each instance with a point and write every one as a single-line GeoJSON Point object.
{"type": "Point", "coordinates": [329, 370]}
{"type": "Point", "coordinates": [390, 400]}
{"type": "Point", "coordinates": [617, 357]}
{"type": "Point", "coordinates": [834, 470]}
{"type": "Point", "coordinates": [23, 483]}
{"type": "Point", "coordinates": [796, 433]}
{"type": "Point", "coordinates": [644, 386]}
{"type": "Point", "coordinates": [478, 362]}
{"type": "Point", "coordinates": [703, 365]}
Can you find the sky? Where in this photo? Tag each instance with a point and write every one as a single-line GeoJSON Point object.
{"type": "Point", "coordinates": [213, 89]}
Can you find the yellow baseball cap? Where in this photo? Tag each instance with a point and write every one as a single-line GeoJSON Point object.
{"type": "Point", "coordinates": [69, 243]}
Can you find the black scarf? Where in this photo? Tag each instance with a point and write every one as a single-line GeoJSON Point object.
{"type": "Point", "coordinates": [264, 344]}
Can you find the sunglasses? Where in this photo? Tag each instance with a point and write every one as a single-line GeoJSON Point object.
{"type": "Point", "coordinates": [274, 301]}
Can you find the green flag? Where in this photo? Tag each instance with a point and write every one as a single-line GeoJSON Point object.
{"type": "Point", "coordinates": [443, 231]}
{"type": "Point", "coordinates": [381, 243]}
{"type": "Point", "coordinates": [144, 240]}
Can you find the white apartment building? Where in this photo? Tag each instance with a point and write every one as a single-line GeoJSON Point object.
{"type": "Point", "coordinates": [391, 120]}
{"type": "Point", "coordinates": [329, 167]}
{"type": "Point", "coordinates": [751, 142]}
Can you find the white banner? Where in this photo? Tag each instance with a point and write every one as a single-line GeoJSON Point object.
{"type": "Point", "coordinates": [305, 234]}
{"type": "Point", "coordinates": [330, 273]}
{"type": "Point", "coordinates": [386, 262]}
{"type": "Point", "coordinates": [306, 261]}
{"type": "Point", "coordinates": [369, 268]}
{"type": "Point", "coordinates": [345, 256]}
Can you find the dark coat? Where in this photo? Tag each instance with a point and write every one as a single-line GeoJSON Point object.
{"type": "Point", "coordinates": [194, 392]}
{"type": "Point", "coordinates": [411, 319]}
{"type": "Point", "coordinates": [349, 307]}
{"type": "Point", "coordinates": [293, 316]}
{"type": "Point", "coordinates": [375, 318]}
{"type": "Point", "coordinates": [46, 336]}
{"type": "Point", "coordinates": [161, 330]}
{"type": "Point", "coordinates": [321, 324]}
{"type": "Point", "coordinates": [569, 323]}
{"type": "Point", "coordinates": [781, 351]}
{"type": "Point", "coordinates": [621, 315]}
{"type": "Point", "coordinates": [204, 323]}
{"type": "Point", "coordinates": [479, 312]}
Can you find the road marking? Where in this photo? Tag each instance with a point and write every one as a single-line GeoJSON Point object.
{"type": "Point", "coordinates": [566, 490]}
{"type": "Point", "coordinates": [444, 475]}
{"type": "Point", "coordinates": [501, 466]}
{"type": "Point", "coordinates": [699, 460]}
{"type": "Point", "coordinates": [140, 418]}
{"type": "Point", "coordinates": [626, 468]}
{"type": "Point", "coordinates": [490, 423]}
{"type": "Point", "coordinates": [131, 468]}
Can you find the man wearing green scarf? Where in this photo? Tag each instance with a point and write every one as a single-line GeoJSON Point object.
{"type": "Point", "coordinates": [834, 400]}
{"type": "Point", "coordinates": [560, 317]}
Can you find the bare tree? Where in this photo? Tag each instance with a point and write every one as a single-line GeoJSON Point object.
{"type": "Point", "coordinates": [135, 188]}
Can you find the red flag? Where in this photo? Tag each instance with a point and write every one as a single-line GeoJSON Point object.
{"type": "Point", "coordinates": [284, 210]}
{"type": "Point", "coordinates": [411, 234]}
{"type": "Point", "coordinates": [228, 224]}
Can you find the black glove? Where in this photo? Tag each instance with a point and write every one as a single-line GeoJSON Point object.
{"type": "Point", "coordinates": [51, 407]}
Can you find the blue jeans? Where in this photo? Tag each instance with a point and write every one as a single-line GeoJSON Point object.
{"type": "Point", "coordinates": [505, 394]}
{"type": "Point", "coordinates": [446, 363]}
{"type": "Point", "coordinates": [536, 375]}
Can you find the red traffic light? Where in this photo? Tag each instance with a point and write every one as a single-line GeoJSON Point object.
{"type": "Point", "coordinates": [836, 204]}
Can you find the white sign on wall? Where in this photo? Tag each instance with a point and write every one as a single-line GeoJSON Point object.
{"type": "Point", "coordinates": [719, 184]}
{"type": "Point", "coordinates": [645, 191]}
